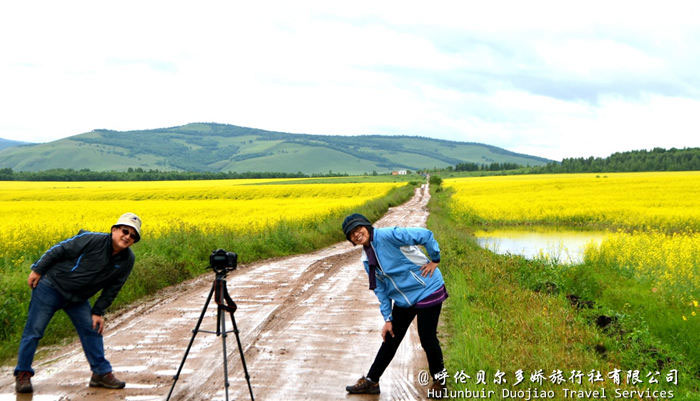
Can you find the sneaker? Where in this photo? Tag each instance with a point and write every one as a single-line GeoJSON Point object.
{"type": "Point", "coordinates": [23, 382]}
{"type": "Point", "coordinates": [437, 390]}
{"type": "Point", "coordinates": [363, 386]}
{"type": "Point", "coordinates": [107, 380]}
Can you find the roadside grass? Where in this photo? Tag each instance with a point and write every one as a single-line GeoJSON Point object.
{"type": "Point", "coordinates": [658, 328]}
{"type": "Point", "coordinates": [178, 256]}
{"type": "Point", "coordinates": [507, 313]}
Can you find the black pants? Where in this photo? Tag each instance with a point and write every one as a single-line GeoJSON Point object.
{"type": "Point", "coordinates": [427, 332]}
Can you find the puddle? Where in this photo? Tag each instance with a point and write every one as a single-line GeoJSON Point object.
{"type": "Point", "coordinates": [140, 385]}
{"type": "Point", "coordinates": [29, 397]}
{"type": "Point", "coordinates": [564, 246]}
{"type": "Point", "coordinates": [172, 372]}
{"type": "Point", "coordinates": [130, 368]}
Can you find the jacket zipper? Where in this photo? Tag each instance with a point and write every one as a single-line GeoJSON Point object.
{"type": "Point", "coordinates": [418, 279]}
{"type": "Point", "coordinates": [77, 263]}
{"type": "Point", "coordinates": [388, 276]}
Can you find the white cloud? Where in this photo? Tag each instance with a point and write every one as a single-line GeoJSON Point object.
{"type": "Point", "coordinates": [549, 78]}
{"type": "Point", "coordinates": [596, 59]}
{"type": "Point", "coordinates": [618, 125]}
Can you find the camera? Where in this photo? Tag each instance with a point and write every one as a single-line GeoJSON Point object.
{"type": "Point", "coordinates": [222, 261]}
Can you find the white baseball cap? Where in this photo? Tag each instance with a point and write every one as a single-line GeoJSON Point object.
{"type": "Point", "coordinates": [131, 220]}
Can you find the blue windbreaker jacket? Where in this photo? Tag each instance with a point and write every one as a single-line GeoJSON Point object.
{"type": "Point", "coordinates": [400, 259]}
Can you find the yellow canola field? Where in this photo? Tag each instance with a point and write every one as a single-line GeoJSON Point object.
{"type": "Point", "coordinates": [38, 214]}
{"type": "Point", "coordinates": [669, 261]}
{"type": "Point", "coordinates": [661, 209]}
{"type": "Point", "coordinates": [668, 201]}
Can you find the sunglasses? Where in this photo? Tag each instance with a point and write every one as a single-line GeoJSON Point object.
{"type": "Point", "coordinates": [131, 235]}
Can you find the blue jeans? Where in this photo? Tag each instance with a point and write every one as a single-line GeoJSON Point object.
{"type": "Point", "coordinates": [45, 302]}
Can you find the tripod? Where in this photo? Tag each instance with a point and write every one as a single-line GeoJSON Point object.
{"type": "Point", "coordinates": [224, 304]}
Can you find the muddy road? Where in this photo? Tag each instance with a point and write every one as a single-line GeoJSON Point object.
{"type": "Point", "coordinates": [308, 326]}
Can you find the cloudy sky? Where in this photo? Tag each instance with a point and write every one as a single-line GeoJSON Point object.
{"type": "Point", "coordinates": [553, 79]}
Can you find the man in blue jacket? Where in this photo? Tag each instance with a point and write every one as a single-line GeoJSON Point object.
{"type": "Point", "coordinates": [65, 277]}
{"type": "Point", "coordinates": [407, 284]}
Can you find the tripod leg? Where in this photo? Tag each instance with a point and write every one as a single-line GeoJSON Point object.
{"type": "Point", "coordinates": [221, 322]}
{"type": "Point", "coordinates": [240, 350]}
{"type": "Point", "coordinates": [194, 333]}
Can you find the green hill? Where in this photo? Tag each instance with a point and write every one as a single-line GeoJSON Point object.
{"type": "Point", "coordinates": [7, 143]}
{"type": "Point", "coordinates": [219, 147]}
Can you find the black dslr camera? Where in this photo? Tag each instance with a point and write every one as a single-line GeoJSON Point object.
{"type": "Point", "coordinates": [222, 261]}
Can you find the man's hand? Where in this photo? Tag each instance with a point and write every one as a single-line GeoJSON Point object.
{"type": "Point", "coordinates": [33, 279]}
{"type": "Point", "coordinates": [388, 328]}
{"type": "Point", "coordinates": [98, 323]}
{"type": "Point", "coordinates": [428, 269]}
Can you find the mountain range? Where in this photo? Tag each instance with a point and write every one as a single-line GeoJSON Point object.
{"type": "Point", "coordinates": [220, 147]}
{"type": "Point", "coordinates": [7, 143]}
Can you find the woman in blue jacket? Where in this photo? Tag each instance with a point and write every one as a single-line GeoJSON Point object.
{"type": "Point", "coordinates": [407, 284]}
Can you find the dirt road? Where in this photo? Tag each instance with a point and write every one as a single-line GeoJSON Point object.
{"type": "Point", "coordinates": [308, 324]}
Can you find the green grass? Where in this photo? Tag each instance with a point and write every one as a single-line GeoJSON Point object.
{"type": "Point", "coordinates": [305, 159]}
{"type": "Point", "coordinates": [508, 313]}
{"type": "Point", "coordinates": [176, 257]}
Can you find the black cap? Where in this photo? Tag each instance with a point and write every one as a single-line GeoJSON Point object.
{"type": "Point", "coordinates": [353, 221]}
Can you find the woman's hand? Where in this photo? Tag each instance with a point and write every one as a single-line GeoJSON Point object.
{"type": "Point", "coordinates": [388, 328]}
{"type": "Point", "coordinates": [428, 269]}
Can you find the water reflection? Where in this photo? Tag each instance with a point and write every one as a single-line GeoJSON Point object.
{"type": "Point", "coordinates": [564, 246]}
{"type": "Point", "coordinates": [30, 397]}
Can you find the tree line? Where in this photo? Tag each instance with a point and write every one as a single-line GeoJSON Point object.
{"type": "Point", "coordinates": [139, 174]}
{"type": "Point", "coordinates": [657, 159]}
{"type": "Point", "coordinates": [468, 166]}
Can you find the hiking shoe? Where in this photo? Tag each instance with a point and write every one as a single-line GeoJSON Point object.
{"type": "Point", "coordinates": [437, 390]}
{"type": "Point", "coordinates": [23, 382]}
{"type": "Point", "coordinates": [107, 380]}
{"type": "Point", "coordinates": [363, 386]}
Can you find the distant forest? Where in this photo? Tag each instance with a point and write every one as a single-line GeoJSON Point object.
{"type": "Point", "coordinates": [138, 174]}
{"type": "Point", "coordinates": [486, 167]}
{"type": "Point", "coordinates": [657, 159]}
